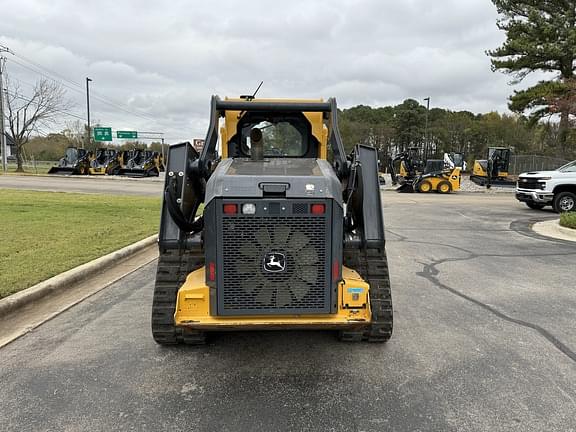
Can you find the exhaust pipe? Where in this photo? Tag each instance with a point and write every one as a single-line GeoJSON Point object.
{"type": "Point", "coordinates": [256, 145]}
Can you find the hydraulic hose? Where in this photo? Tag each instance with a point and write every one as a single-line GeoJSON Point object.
{"type": "Point", "coordinates": [176, 212]}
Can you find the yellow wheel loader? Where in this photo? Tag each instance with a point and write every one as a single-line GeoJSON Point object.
{"type": "Point", "coordinates": [289, 238]}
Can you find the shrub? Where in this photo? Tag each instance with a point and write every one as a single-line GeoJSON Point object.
{"type": "Point", "coordinates": [568, 220]}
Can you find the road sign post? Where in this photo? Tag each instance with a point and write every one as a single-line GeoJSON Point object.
{"type": "Point", "coordinates": [102, 134]}
{"type": "Point", "coordinates": [126, 134]}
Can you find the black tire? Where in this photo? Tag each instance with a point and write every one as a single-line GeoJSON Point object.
{"type": "Point", "coordinates": [564, 202]}
{"type": "Point", "coordinates": [424, 186]}
{"type": "Point", "coordinates": [535, 206]}
{"type": "Point", "coordinates": [173, 267]}
{"type": "Point", "coordinates": [444, 187]}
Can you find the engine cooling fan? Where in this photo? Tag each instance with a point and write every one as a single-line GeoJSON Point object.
{"type": "Point", "coordinates": [278, 289]}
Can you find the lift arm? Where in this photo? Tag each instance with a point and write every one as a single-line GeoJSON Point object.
{"type": "Point", "coordinates": [364, 206]}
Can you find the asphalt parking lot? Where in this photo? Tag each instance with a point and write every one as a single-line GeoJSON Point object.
{"type": "Point", "coordinates": [484, 340]}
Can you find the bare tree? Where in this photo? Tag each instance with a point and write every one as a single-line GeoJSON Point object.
{"type": "Point", "coordinates": [29, 114]}
{"type": "Point", "coordinates": [76, 131]}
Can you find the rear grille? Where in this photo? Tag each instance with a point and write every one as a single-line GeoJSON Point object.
{"type": "Point", "coordinates": [530, 183]}
{"type": "Point", "coordinates": [253, 249]}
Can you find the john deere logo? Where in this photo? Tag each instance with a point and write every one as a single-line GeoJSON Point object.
{"type": "Point", "coordinates": [274, 262]}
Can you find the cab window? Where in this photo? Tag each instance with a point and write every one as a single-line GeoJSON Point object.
{"type": "Point", "coordinates": [281, 139]}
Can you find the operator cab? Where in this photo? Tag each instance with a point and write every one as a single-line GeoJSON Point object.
{"type": "Point", "coordinates": [284, 135]}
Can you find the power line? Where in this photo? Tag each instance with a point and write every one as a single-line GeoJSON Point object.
{"type": "Point", "coordinates": [65, 112]}
{"type": "Point", "coordinates": [78, 88]}
{"type": "Point", "coordinates": [55, 77]}
{"type": "Point", "coordinates": [96, 96]}
{"type": "Point", "coordinates": [3, 148]}
{"type": "Point", "coordinates": [46, 69]}
{"type": "Point", "coordinates": [45, 76]}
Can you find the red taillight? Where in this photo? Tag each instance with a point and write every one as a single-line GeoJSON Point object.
{"type": "Point", "coordinates": [318, 208]}
{"type": "Point", "coordinates": [212, 272]}
{"type": "Point", "coordinates": [335, 271]}
{"type": "Point", "coordinates": [230, 208]}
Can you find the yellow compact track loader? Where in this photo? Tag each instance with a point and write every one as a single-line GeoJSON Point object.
{"type": "Point", "coordinates": [106, 161]}
{"type": "Point", "coordinates": [75, 161]}
{"type": "Point", "coordinates": [141, 163]}
{"type": "Point", "coordinates": [289, 238]}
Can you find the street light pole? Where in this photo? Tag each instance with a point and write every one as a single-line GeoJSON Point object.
{"type": "Point", "coordinates": [2, 136]}
{"type": "Point", "coordinates": [426, 128]}
{"type": "Point", "coordinates": [88, 110]}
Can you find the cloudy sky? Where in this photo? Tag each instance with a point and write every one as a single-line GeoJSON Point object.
{"type": "Point", "coordinates": [155, 64]}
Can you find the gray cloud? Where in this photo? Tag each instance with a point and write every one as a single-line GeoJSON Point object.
{"type": "Point", "coordinates": [164, 60]}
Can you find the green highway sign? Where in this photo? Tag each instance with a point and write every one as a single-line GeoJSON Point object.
{"type": "Point", "coordinates": [127, 134]}
{"type": "Point", "coordinates": [102, 134]}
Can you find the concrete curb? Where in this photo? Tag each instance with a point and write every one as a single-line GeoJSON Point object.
{"type": "Point", "coordinates": [552, 228]}
{"type": "Point", "coordinates": [67, 279]}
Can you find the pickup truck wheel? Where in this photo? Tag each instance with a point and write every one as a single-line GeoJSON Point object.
{"type": "Point", "coordinates": [535, 206]}
{"type": "Point", "coordinates": [564, 202]}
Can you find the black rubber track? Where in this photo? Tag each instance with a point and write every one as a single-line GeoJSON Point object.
{"type": "Point", "coordinates": [372, 266]}
{"type": "Point", "coordinates": [173, 267]}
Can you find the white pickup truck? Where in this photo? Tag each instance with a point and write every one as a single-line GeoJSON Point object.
{"type": "Point", "coordinates": [542, 188]}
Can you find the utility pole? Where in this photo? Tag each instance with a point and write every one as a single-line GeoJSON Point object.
{"type": "Point", "coordinates": [426, 128]}
{"type": "Point", "coordinates": [88, 111]}
{"type": "Point", "coordinates": [3, 146]}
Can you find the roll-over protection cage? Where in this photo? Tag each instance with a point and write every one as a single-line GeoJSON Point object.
{"type": "Point", "coordinates": [187, 172]}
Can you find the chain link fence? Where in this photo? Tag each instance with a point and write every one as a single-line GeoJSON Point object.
{"type": "Point", "coordinates": [31, 166]}
{"type": "Point", "coordinates": [524, 163]}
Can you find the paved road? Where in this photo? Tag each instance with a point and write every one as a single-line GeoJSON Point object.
{"type": "Point", "coordinates": [94, 184]}
{"type": "Point", "coordinates": [484, 341]}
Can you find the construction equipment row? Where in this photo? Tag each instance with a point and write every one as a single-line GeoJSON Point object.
{"type": "Point", "coordinates": [106, 161]}
{"type": "Point", "coordinates": [413, 174]}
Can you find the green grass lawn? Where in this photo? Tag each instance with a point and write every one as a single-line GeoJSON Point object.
{"type": "Point", "coordinates": [568, 220]}
{"type": "Point", "coordinates": [45, 233]}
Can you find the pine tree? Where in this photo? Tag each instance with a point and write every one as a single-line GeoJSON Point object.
{"type": "Point", "coordinates": [540, 36]}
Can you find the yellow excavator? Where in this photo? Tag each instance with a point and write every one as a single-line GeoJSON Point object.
{"type": "Point", "coordinates": [494, 169]}
{"type": "Point", "coordinates": [289, 237]}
